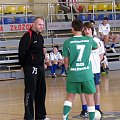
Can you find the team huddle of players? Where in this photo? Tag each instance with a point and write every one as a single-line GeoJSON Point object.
{"type": "Point", "coordinates": [83, 64]}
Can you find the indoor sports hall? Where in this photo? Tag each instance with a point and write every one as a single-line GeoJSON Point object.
{"type": "Point", "coordinates": [16, 17]}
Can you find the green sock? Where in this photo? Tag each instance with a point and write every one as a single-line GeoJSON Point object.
{"type": "Point", "coordinates": [66, 109]}
{"type": "Point", "coordinates": [91, 115]}
{"type": "Point", "coordinates": [91, 112]}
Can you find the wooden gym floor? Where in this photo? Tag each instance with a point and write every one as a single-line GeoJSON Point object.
{"type": "Point", "coordinates": [11, 98]}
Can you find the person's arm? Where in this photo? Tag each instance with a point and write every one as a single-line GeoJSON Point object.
{"type": "Point", "coordinates": [23, 48]}
{"type": "Point", "coordinates": [52, 58]}
{"type": "Point", "coordinates": [66, 62]}
{"type": "Point", "coordinates": [109, 28]}
{"type": "Point", "coordinates": [94, 44]}
{"type": "Point", "coordinates": [75, 8]}
{"type": "Point", "coordinates": [100, 30]}
{"type": "Point", "coordinates": [66, 54]}
{"type": "Point", "coordinates": [101, 50]}
{"type": "Point", "coordinates": [47, 57]}
{"type": "Point", "coordinates": [60, 56]}
{"type": "Point", "coordinates": [101, 57]}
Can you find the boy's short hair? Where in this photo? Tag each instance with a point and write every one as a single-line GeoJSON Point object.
{"type": "Point", "coordinates": [92, 21]}
{"type": "Point", "coordinates": [77, 25]}
{"type": "Point", "coordinates": [105, 18]}
{"type": "Point", "coordinates": [56, 46]}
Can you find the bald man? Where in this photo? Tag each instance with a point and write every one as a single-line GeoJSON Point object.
{"type": "Point", "coordinates": [31, 59]}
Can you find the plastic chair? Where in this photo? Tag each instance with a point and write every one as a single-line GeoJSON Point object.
{"type": "Point", "coordinates": [58, 9]}
{"type": "Point", "coordinates": [81, 17]}
{"type": "Point", "coordinates": [92, 7]}
{"type": "Point", "coordinates": [109, 8]}
{"type": "Point", "coordinates": [100, 16]}
{"type": "Point", "coordinates": [10, 10]}
{"type": "Point", "coordinates": [30, 19]}
{"type": "Point", "coordinates": [95, 17]}
{"type": "Point", "coordinates": [118, 16]}
{"type": "Point", "coordinates": [111, 16]}
{"type": "Point", "coordinates": [24, 9]}
{"type": "Point", "coordinates": [20, 20]}
{"type": "Point", "coordinates": [95, 7]}
{"type": "Point", "coordinates": [117, 7]}
{"type": "Point", "coordinates": [0, 21]}
{"type": "Point", "coordinates": [8, 20]}
{"type": "Point", "coordinates": [102, 7]}
{"type": "Point", "coordinates": [89, 17]}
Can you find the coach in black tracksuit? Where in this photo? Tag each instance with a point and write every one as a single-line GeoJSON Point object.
{"type": "Point", "coordinates": [31, 59]}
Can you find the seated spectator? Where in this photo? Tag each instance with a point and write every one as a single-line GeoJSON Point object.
{"type": "Point", "coordinates": [104, 62]}
{"type": "Point", "coordinates": [81, 8]}
{"type": "Point", "coordinates": [57, 61]}
{"type": "Point", "coordinates": [68, 7]}
{"type": "Point", "coordinates": [106, 35]}
{"type": "Point", "coordinates": [47, 62]}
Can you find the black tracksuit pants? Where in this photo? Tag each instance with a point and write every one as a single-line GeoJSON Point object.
{"type": "Point", "coordinates": [35, 90]}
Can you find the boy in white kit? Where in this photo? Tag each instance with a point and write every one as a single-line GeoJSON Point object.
{"type": "Point", "coordinates": [96, 57]}
{"type": "Point", "coordinates": [106, 35]}
{"type": "Point", "coordinates": [57, 61]}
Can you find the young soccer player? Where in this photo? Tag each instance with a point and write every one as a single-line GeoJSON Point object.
{"type": "Point", "coordinates": [96, 58]}
{"type": "Point", "coordinates": [76, 52]}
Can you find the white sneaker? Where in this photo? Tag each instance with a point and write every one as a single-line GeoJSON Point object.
{"type": "Point", "coordinates": [63, 75]}
{"type": "Point", "coordinates": [113, 49]}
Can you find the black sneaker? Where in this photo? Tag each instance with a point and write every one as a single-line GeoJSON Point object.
{"type": "Point", "coordinates": [106, 70]}
{"type": "Point", "coordinates": [54, 76]}
{"type": "Point", "coordinates": [84, 113]}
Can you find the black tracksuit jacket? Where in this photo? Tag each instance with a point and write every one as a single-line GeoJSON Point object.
{"type": "Point", "coordinates": [31, 49]}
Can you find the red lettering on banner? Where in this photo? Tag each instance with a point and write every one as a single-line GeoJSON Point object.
{"type": "Point", "coordinates": [30, 26]}
{"type": "Point", "coordinates": [23, 26]}
{"type": "Point", "coordinates": [15, 28]}
{"type": "Point", "coordinates": [11, 27]}
{"type": "Point", "coordinates": [27, 26]}
{"type": "Point", "coordinates": [1, 28]}
{"type": "Point", "coordinates": [20, 27]}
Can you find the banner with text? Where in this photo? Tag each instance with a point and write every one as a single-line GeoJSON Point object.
{"type": "Point", "coordinates": [67, 25]}
{"type": "Point", "coordinates": [15, 27]}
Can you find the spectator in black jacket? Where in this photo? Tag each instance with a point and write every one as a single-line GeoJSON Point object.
{"type": "Point", "coordinates": [31, 59]}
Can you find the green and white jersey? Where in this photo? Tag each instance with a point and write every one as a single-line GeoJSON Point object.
{"type": "Point", "coordinates": [78, 50]}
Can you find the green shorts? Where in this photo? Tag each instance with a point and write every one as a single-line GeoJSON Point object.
{"type": "Point", "coordinates": [87, 87]}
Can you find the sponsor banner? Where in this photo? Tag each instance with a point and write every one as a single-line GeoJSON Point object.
{"type": "Point", "coordinates": [50, 26]}
{"type": "Point", "coordinates": [67, 25]}
{"type": "Point", "coordinates": [59, 26]}
{"type": "Point", "coordinates": [15, 27]}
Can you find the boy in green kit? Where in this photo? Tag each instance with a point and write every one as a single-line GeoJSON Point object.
{"type": "Point", "coordinates": [76, 52]}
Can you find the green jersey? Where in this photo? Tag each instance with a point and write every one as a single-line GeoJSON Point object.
{"type": "Point", "coordinates": [78, 50]}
